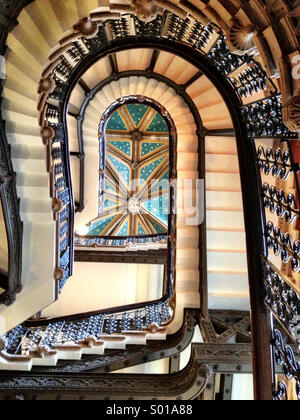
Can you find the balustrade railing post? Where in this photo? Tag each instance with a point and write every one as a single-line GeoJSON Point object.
{"type": "Point", "coordinates": [254, 227]}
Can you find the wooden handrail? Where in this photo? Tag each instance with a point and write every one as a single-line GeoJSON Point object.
{"type": "Point", "coordinates": [11, 281]}
{"type": "Point", "coordinates": [84, 315]}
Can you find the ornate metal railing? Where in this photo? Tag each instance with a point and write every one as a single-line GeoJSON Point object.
{"type": "Point", "coordinates": [285, 358]}
{"type": "Point", "coordinates": [132, 240]}
{"type": "Point", "coordinates": [38, 339]}
{"type": "Point", "coordinates": [10, 281]}
{"type": "Point", "coordinates": [61, 193]}
{"type": "Point", "coordinates": [121, 242]}
{"type": "Point", "coordinates": [239, 78]}
{"type": "Point", "coordinates": [280, 203]}
{"type": "Point", "coordinates": [25, 343]}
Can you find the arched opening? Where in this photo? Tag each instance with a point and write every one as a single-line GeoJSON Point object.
{"type": "Point", "coordinates": [135, 171]}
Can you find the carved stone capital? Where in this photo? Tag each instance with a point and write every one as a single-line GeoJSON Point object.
{"type": "Point", "coordinates": [58, 274]}
{"type": "Point", "coordinates": [47, 85]}
{"type": "Point", "coordinates": [47, 134]}
{"type": "Point", "coordinates": [277, 8]}
{"type": "Point", "coordinates": [145, 10]}
{"type": "Point", "coordinates": [57, 205]}
{"type": "Point", "coordinates": [191, 323]}
{"type": "Point", "coordinates": [240, 38]}
{"type": "Point", "coordinates": [41, 352]}
{"type": "Point", "coordinates": [153, 328]}
{"type": "Point", "coordinates": [7, 298]}
{"type": "Point", "coordinates": [205, 371]}
{"type": "Point", "coordinates": [184, 385]}
{"type": "Point", "coordinates": [291, 113]}
{"type": "Point", "coordinates": [86, 27]}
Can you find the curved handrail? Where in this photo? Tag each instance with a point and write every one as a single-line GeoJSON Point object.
{"type": "Point", "coordinates": [218, 65]}
{"type": "Point", "coordinates": [116, 77]}
{"type": "Point", "coordinates": [32, 338]}
{"type": "Point", "coordinates": [102, 239]}
{"type": "Point", "coordinates": [12, 283]}
{"type": "Point", "coordinates": [249, 121]}
{"type": "Point", "coordinates": [150, 352]}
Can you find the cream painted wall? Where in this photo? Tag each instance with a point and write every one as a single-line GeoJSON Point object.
{"type": "Point", "coordinates": [3, 244]}
{"type": "Point", "coordinates": [158, 367]}
{"type": "Point", "coordinates": [97, 286]}
{"type": "Point", "coordinates": [242, 388]}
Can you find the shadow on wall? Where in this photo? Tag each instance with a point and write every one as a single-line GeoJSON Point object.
{"type": "Point", "coordinates": [96, 286]}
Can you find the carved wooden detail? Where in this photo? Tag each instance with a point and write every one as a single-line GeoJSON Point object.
{"type": "Point", "coordinates": [46, 85]}
{"type": "Point", "coordinates": [59, 274]}
{"type": "Point", "coordinates": [291, 113]}
{"type": "Point", "coordinates": [241, 37]}
{"type": "Point", "coordinates": [184, 385]}
{"type": "Point", "coordinates": [47, 134]}
{"type": "Point", "coordinates": [225, 326]}
{"type": "Point", "coordinates": [272, 27]}
{"type": "Point", "coordinates": [145, 10]}
{"type": "Point", "coordinates": [133, 355]}
{"type": "Point", "coordinates": [86, 27]}
{"type": "Point", "coordinates": [135, 257]}
{"type": "Point", "coordinates": [11, 284]}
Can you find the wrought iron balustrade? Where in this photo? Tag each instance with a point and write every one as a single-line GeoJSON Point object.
{"type": "Point", "coordinates": [61, 193]}
{"type": "Point", "coordinates": [239, 78]}
{"type": "Point", "coordinates": [277, 201]}
{"type": "Point", "coordinates": [12, 231]}
{"type": "Point", "coordinates": [280, 209]}
{"type": "Point", "coordinates": [34, 341]}
{"type": "Point", "coordinates": [127, 242]}
{"type": "Point", "coordinates": [285, 358]}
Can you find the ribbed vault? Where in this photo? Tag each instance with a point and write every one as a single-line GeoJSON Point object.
{"type": "Point", "coordinates": [135, 198]}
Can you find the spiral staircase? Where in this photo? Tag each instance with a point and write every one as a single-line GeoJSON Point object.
{"type": "Point", "coordinates": [30, 45]}
{"type": "Point", "coordinates": [59, 172]}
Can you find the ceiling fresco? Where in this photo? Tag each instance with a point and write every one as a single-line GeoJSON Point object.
{"type": "Point", "coordinates": [135, 199]}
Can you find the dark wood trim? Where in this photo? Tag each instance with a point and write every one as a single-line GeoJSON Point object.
{"type": "Point", "coordinates": [72, 114]}
{"type": "Point", "coordinates": [174, 363]}
{"type": "Point", "coordinates": [84, 86]}
{"type": "Point", "coordinates": [203, 285]}
{"type": "Point", "coordinates": [13, 224]}
{"type": "Point", "coordinates": [226, 384]}
{"type": "Point", "coordinates": [77, 154]}
{"type": "Point", "coordinates": [9, 12]}
{"type": "Point", "coordinates": [184, 385]}
{"type": "Point", "coordinates": [192, 80]}
{"type": "Point", "coordinates": [128, 257]}
{"type": "Point", "coordinates": [153, 61]}
{"type": "Point", "coordinates": [223, 132]}
{"type": "Point", "coordinates": [117, 309]}
{"type": "Point", "coordinates": [3, 280]}
{"type": "Point", "coordinates": [133, 355]}
{"type": "Point", "coordinates": [113, 64]}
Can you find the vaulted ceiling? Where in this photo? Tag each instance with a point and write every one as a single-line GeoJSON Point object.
{"type": "Point", "coordinates": [134, 200]}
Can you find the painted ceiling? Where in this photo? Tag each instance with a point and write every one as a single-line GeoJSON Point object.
{"type": "Point", "coordinates": [136, 195]}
